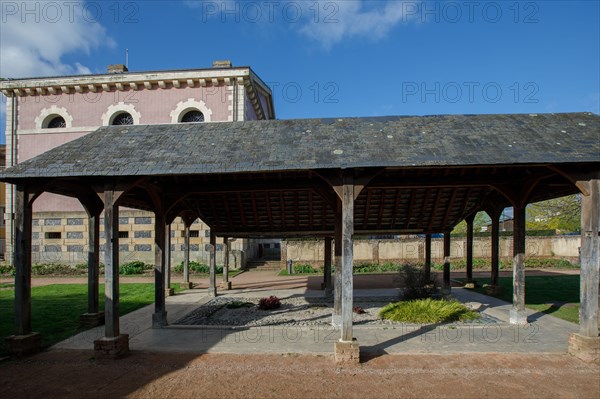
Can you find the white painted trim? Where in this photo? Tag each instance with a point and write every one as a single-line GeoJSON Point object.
{"type": "Point", "coordinates": [42, 120]}
{"type": "Point", "coordinates": [188, 105]}
{"type": "Point", "coordinates": [82, 129]}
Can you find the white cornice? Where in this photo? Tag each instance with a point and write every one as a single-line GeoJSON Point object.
{"type": "Point", "coordinates": [124, 81]}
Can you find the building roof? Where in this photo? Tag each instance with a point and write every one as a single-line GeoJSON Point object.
{"type": "Point", "coordinates": [285, 145]}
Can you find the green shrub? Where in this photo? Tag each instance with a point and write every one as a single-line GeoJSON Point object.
{"type": "Point", "coordinates": [46, 269]}
{"type": "Point", "coordinates": [197, 267]}
{"type": "Point", "coordinates": [304, 268]}
{"type": "Point", "coordinates": [133, 267]}
{"type": "Point", "coordinates": [425, 311]}
{"type": "Point", "coordinates": [377, 267]}
{"type": "Point", "coordinates": [417, 284]}
{"type": "Point", "coordinates": [7, 270]}
{"type": "Point", "coordinates": [541, 263]}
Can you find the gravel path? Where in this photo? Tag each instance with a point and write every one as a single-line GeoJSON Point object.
{"type": "Point", "coordinates": [293, 312]}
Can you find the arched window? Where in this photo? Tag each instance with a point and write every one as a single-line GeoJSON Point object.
{"type": "Point", "coordinates": [56, 122]}
{"type": "Point", "coordinates": [53, 118]}
{"type": "Point", "coordinates": [124, 118]}
{"type": "Point", "coordinates": [192, 116]}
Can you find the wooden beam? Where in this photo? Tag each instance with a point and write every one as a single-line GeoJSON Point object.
{"type": "Point", "coordinates": [225, 260]}
{"type": "Point", "coordinates": [348, 196]}
{"type": "Point", "coordinates": [22, 261]}
{"type": "Point", "coordinates": [495, 216]}
{"type": "Point", "coordinates": [518, 315]}
{"type": "Point", "coordinates": [93, 263]}
{"type": "Point", "coordinates": [159, 318]}
{"type": "Point", "coordinates": [111, 264]}
{"type": "Point", "coordinates": [590, 260]}
{"type": "Point", "coordinates": [212, 284]}
{"type": "Point", "coordinates": [446, 288]}
{"type": "Point", "coordinates": [327, 266]}
{"type": "Point", "coordinates": [168, 258]}
{"type": "Point", "coordinates": [186, 254]}
{"type": "Point", "coordinates": [337, 285]}
{"type": "Point", "coordinates": [428, 257]}
{"type": "Point", "coordinates": [470, 219]}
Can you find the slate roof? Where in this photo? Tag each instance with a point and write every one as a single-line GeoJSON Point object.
{"type": "Point", "coordinates": [280, 145]}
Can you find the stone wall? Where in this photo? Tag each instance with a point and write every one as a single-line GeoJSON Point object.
{"type": "Point", "coordinates": [413, 249]}
{"type": "Point", "coordinates": [62, 237]}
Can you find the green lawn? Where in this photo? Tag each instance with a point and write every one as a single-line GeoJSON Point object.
{"type": "Point", "coordinates": [55, 309]}
{"type": "Point", "coordinates": [555, 295]}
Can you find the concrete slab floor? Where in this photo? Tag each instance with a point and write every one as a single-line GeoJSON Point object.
{"type": "Point", "coordinates": [544, 334]}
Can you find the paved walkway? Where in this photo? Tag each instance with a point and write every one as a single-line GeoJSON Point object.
{"type": "Point", "coordinates": [545, 334]}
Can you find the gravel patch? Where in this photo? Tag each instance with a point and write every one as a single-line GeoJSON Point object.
{"type": "Point", "coordinates": [293, 312]}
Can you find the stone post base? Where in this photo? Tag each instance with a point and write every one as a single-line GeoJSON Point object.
{"type": "Point", "coordinates": [225, 285]}
{"type": "Point", "coordinates": [493, 290]}
{"type": "Point", "coordinates": [347, 352]}
{"type": "Point", "coordinates": [169, 292]}
{"type": "Point", "coordinates": [517, 317]}
{"type": "Point", "coordinates": [112, 347]}
{"type": "Point", "coordinates": [471, 284]}
{"type": "Point", "coordinates": [585, 348]}
{"type": "Point", "coordinates": [91, 319]}
{"type": "Point", "coordinates": [446, 291]}
{"type": "Point", "coordinates": [20, 345]}
{"type": "Point", "coordinates": [159, 320]}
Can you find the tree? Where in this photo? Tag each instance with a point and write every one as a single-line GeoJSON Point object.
{"type": "Point", "coordinates": [481, 220]}
{"type": "Point", "coordinates": [562, 214]}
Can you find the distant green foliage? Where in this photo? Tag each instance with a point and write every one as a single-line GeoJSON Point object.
{"type": "Point", "coordinates": [197, 267]}
{"type": "Point", "coordinates": [304, 268]}
{"type": "Point", "coordinates": [426, 311]}
{"type": "Point", "coordinates": [377, 268]}
{"type": "Point", "coordinates": [47, 269]}
{"type": "Point", "coordinates": [134, 267]}
{"type": "Point", "coordinates": [7, 270]}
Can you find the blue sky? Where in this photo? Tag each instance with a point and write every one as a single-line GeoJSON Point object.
{"type": "Point", "coordinates": [332, 58]}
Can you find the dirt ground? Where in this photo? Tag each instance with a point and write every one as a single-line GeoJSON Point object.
{"type": "Point", "coordinates": [76, 374]}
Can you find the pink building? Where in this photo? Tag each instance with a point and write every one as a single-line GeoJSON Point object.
{"type": "Point", "coordinates": [43, 113]}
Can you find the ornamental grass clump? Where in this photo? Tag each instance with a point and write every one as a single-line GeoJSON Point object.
{"type": "Point", "coordinates": [427, 311]}
{"type": "Point", "coordinates": [269, 303]}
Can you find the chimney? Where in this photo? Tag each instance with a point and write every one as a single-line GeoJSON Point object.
{"type": "Point", "coordinates": [117, 68]}
{"type": "Point", "coordinates": [222, 64]}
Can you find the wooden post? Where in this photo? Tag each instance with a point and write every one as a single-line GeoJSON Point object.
{"type": "Point", "coordinates": [470, 219]}
{"type": "Point", "coordinates": [22, 261]}
{"type": "Point", "coordinates": [327, 266]}
{"type": "Point", "coordinates": [159, 318]}
{"type": "Point", "coordinates": [24, 341]}
{"type": "Point", "coordinates": [111, 265]}
{"type": "Point", "coordinates": [446, 288]}
{"type": "Point", "coordinates": [495, 216]}
{"type": "Point", "coordinates": [347, 256]}
{"type": "Point", "coordinates": [428, 257]}
{"type": "Point", "coordinates": [226, 284]}
{"type": "Point", "coordinates": [168, 290]}
{"type": "Point", "coordinates": [113, 344]}
{"type": "Point", "coordinates": [212, 286]}
{"type": "Point", "coordinates": [590, 260]}
{"type": "Point", "coordinates": [186, 255]}
{"type": "Point", "coordinates": [337, 285]}
{"type": "Point", "coordinates": [93, 262]}
{"type": "Point", "coordinates": [518, 315]}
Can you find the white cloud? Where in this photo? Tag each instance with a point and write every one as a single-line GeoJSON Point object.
{"type": "Point", "coordinates": [348, 19]}
{"type": "Point", "coordinates": [34, 43]}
